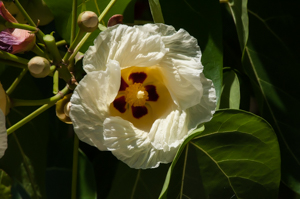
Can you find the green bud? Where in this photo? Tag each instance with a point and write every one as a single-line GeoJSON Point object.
{"type": "Point", "coordinates": [39, 67]}
{"type": "Point", "coordinates": [88, 21]}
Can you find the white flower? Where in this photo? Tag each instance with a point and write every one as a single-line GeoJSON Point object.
{"type": "Point", "coordinates": [143, 94]}
{"type": "Point", "coordinates": [3, 133]}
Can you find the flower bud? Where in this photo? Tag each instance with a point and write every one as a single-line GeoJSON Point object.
{"type": "Point", "coordinates": [39, 67]}
{"type": "Point", "coordinates": [114, 20]}
{"type": "Point", "coordinates": [88, 21]}
{"type": "Point", "coordinates": [63, 108]}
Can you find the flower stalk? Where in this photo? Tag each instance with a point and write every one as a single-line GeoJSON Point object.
{"type": "Point", "coordinates": [39, 33]}
{"type": "Point", "coordinates": [47, 104]}
{"type": "Point", "coordinates": [16, 82]}
{"type": "Point", "coordinates": [12, 57]}
{"type": "Point", "coordinates": [20, 26]}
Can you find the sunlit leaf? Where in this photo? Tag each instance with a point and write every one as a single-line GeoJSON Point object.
{"type": "Point", "coordinates": [231, 95]}
{"type": "Point", "coordinates": [156, 11]}
{"type": "Point", "coordinates": [239, 12]}
{"type": "Point", "coordinates": [202, 19]}
{"type": "Point", "coordinates": [236, 156]}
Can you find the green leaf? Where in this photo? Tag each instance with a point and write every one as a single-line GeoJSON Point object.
{"type": "Point", "coordinates": [239, 13]}
{"type": "Point", "coordinates": [5, 185]}
{"type": "Point", "coordinates": [62, 15]}
{"type": "Point", "coordinates": [270, 59]}
{"type": "Point", "coordinates": [156, 11]}
{"type": "Point", "coordinates": [133, 183]}
{"type": "Point", "coordinates": [231, 95]}
{"type": "Point", "coordinates": [86, 178]}
{"type": "Point", "coordinates": [236, 156]}
{"type": "Point", "coordinates": [202, 19]}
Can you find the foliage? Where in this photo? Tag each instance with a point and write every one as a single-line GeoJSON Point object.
{"type": "Point", "coordinates": [250, 50]}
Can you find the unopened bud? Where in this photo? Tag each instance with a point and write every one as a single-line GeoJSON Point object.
{"type": "Point", "coordinates": [88, 21]}
{"type": "Point", "coordinates": [63, 109]}
{"type": "Point", "coordinates": [39, 67]}
{"type": "Point", "coordinates": [67, 109]}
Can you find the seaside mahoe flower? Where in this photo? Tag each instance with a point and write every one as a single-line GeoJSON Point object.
{"type": "Point", "coordinates": [14, 40]}
{"type": "Point", "coordinates": [143, 94]}
{"type": "Point", "coordinates": [3, 133]}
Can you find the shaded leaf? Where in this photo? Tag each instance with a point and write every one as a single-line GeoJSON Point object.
{"type": "Point", "coordinates": [86, 178]}
{"type": "Point", "coordinates": [236, 156]}
{"type": "Point", "coordinates": [270, 57]}
{"type": "Point", "coordinates": [5, 185]}
{"type": "Point", "coordinates": [231, 95]}
{"type": "Point", "coordinates": [134, 183]}
{"type": "Point", "coordinates": [202, 19]}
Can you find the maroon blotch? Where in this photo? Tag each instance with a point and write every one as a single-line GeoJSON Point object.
{"type": "Point", "coordinates": [138, 77]}
{"type": "Point", "coordinates": [120, 104]}
{"type": "Point", "coordinates": [152, 94]}
{"type": "Point", "coordinates": [139, 111]}
{"type": "Point", "coordinates": [123, 85]}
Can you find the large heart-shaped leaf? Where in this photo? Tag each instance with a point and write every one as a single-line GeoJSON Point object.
{"type": "Point", "coordinates": [269, 59]}
{"type": "Point", "coordinates": [202, 19]}
{"type": "Point", "coordinates": [236, 156]}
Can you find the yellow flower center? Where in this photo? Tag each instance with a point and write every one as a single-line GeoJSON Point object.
{"type": "Point", "coordinates": [136, 95]}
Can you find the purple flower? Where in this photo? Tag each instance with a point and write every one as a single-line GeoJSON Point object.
{"type": "Point", "coordinates": [14, 40]}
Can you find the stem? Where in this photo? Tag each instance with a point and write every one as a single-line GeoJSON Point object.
{"type": "Point", "coordinates": [80, 44]}
{"type": "Point", "coordinates": [12, 63]}
{"type": "Point", "coordinates": [61, 43]}
{"type": "Point", "coordinates": [12, 57]}
{"type": "Point", "coordinates": [38, 51]}
{"type": "Point", "coordinates": [100, 18]}
{"type": "Point", "coordinates": [78, 38]}
{"type": "Point", "coordinates": [52, 48]}
{"type": "Point", "coordinates": [37, 112]}
{"type": "Point", "coordinates": [16, 82]}
{"type": "Point", "coordinates": [54, 99]}
{"type": "Point", "coordinates": [21, 26]}
{"type": "Point", "coordinates": [111, 3]}
{"type": "Point", "coordinates": [40, 34]}
{"type": "Point", "coordinates": [74, 17]}
{"type": "Point", "coordinates": [75, 166]}
{"type": "Point", "coordinates": [55, 82]}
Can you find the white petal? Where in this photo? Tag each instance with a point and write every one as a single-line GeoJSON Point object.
{"type": "Point", "coordinates": [203, 112]}
{"type": "Point", "coordinates": [3, 134]}
{"type": "Point", "coordinates": [130, 46]}
{"type": "Point", "coordinates": [131, 145]}
{"type": "Point", "coordinates": [168, 133]}
{"type": "Point", "coordinates": [90, 103]}
{"type": "Point", "coordinates": [181, 67]}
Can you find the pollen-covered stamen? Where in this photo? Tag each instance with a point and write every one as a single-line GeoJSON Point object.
{"type": "Point", "coordinates": [136, 95]}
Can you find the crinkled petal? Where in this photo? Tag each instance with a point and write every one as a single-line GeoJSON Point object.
{"type": "Point", "coordinates": [3, 134]}
{"type": "Point", "coordinates": [181, 66]}
{"type": "Point", "coordinates": [131, 145]}
{"type": "Point", "coordinates": [130, 46]}
{"type": "Point", "coordinates": [90, 103]}
{"type": "Point", "coordinates": [25, 40]}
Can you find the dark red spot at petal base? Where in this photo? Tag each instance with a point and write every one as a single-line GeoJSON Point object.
{"type": "Point", "coordinates": [123, 85]}
{"type": "Point", "coordinates": [120, 104]}
{"type": "Point", "coordinates": [139, 111]}
{"type": "Point", "coordinates": [152, 94]}
{"type": "Point", "coordinates": [138, 77]}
